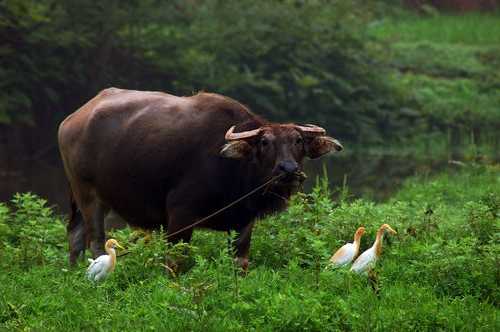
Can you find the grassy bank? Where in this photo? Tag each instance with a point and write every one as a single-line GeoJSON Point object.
{"type": "Point", "coordinates": [447, 67]}
{"type": "Point", "coordinates": [440, 271]}
{"type": "Point", "coordinates": [469, 29]}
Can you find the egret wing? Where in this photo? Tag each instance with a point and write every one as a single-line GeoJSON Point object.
{"type": "Point", "coordinates": [364, 262]}
{"type": "Point", "coordinates": [344, 255]}
{"type": "Point", "coordinates": [97, 266]}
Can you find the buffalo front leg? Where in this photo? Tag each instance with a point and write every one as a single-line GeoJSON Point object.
{"type": "Point", "coordinates": [173, 259]}
{"type": "Point", "coordinates": [242, 246]}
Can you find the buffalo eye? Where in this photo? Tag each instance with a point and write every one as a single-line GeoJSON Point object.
{"type": "Point", "coordinates": [298, 141]}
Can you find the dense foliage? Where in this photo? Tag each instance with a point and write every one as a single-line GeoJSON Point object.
{"type": "Point", "coordinates": [288, 60]}
{"type": "Point", "coordinates": [348, 66]}
{"type": "Point", "coordinates": [440, 272]}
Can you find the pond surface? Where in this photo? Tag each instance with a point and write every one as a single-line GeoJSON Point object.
{"type": "Point", "coordinates": [370, 175]}
{"type": "Point", "coordinates": [373, 176]}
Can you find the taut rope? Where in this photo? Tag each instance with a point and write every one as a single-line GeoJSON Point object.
{"type": "Point", "coordinates": [274, 178]}
{"type": "Point", "coordinates": [227, 206]}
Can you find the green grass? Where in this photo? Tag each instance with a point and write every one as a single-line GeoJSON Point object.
{"type": "Point", "coordinates": [439, 273]}
{"type": "Point", "coordinates": [447, 68]}
{"type": "Point", "coordinates": [466, 29]}
{"type": "Point", "coordinates": [454, 100]}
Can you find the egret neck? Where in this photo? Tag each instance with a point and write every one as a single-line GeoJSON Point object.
{"type": "Point", "coordinates": [357, 240]}
{"type": "Point", "coordinates": [112, 254]}
{"type": "Point", "coordinates": [380, 237]}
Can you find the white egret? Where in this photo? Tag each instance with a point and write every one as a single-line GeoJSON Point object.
{"type": "Point", "coordinates": [105, 264]}
{"type": "Point", "coordinates": [366, 261]}
{"type": "Point", "coordinates": [348, 251]}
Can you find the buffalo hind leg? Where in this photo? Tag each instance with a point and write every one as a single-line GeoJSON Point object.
{"type": "Point", "coordinates": [80, 223]}
{"type": "Point", "coordinates": [85, 204]}
{"type": "Point", "coordinates": [93, 213]}
{"type": "Point", "coordinates": [76, 233]}
{"type": "Point", "coordinates": [97, 233]}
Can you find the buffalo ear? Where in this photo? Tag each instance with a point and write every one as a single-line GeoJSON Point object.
{"type": "Point", "coordinates": [236, 150]}
{"type": "Point", "coordinates": [320, 145]}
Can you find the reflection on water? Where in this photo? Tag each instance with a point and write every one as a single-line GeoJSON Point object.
{"type": "Point", "coordinates": [374, 176]}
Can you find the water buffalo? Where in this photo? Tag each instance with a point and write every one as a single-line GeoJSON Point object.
{"type": "Point", "coordinates": [160, 160]}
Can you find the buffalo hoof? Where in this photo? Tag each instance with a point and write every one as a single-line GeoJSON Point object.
{"type": "Point", "coordinates": [76, 256]}
{"type": "Point", "coordinates": [175, 266]}
{"type": "Point", "coordinates": [242, 262]}
{"type": "Point", "coordinates": [171, 267]}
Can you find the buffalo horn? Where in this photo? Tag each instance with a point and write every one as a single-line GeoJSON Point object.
{"type": "Point", "coordinates": [230, 136]}
{"type": "Point", "coordinates": [311, 129]}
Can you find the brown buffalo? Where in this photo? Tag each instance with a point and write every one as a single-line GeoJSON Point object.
{"type": "Point", "coordinates": [160, 160]}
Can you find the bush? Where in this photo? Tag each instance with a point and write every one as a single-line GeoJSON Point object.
{"type": "Point", "coordinates": [290, 61]}
{"type": "Point", "coordinates": [31, 232]}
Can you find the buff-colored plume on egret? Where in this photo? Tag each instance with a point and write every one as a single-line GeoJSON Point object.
{"type": "Point", "coordinates": [366, 261]}
{"type": "Point", "coordinates": [105, 264]}
{"type": "Point", "coordinates": [348, 251]}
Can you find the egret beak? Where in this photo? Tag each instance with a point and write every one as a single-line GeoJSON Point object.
{"type": "Point", "coordinates": [119, 246]}
{"type": "Point", "coordinates": [391, 230]}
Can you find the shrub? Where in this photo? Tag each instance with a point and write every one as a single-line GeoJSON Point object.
{"type": "Point", "coordinates": [32, 231]}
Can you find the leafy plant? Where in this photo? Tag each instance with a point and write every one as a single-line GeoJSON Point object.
{"type": "Point", "coordinates": [32, 230]}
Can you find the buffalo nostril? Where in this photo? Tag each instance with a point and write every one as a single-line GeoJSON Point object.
{"type": "Point", "coordinates": [288, 166]}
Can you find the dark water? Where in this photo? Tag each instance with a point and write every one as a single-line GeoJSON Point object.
{"type": "Point", "coordinates": [369, 175]}
{"type": "Point", "coordinates": [43, 177]}
{"type": "Point", "coordinates": [372, 175]}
